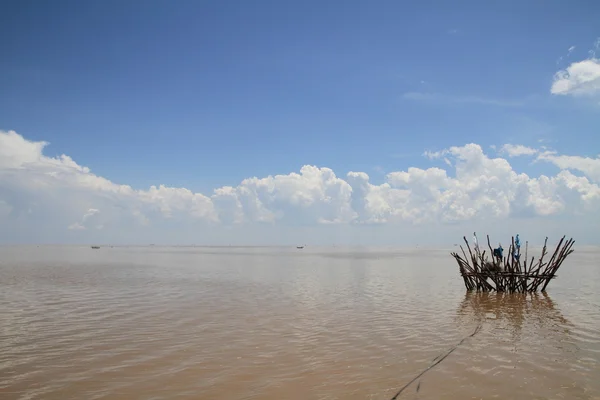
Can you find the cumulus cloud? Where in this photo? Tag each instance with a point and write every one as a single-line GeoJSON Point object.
{"type": "Point", "coordinates": [581, 78]}
{"type": "Point", "coordinates": [517, 150]}
{"type": "Point", "coordinates": [590, 167]}
{"type": "Point", "coordinates": [59, 195]}
{"type": "Point", "coordinates": [56, 191]}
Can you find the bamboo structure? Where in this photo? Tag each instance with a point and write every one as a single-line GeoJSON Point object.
{"type": "Point", "coordinates": [508, 273]}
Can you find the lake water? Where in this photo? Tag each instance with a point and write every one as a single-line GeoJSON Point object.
{"type": "Point", "coordinates": [282, 323]}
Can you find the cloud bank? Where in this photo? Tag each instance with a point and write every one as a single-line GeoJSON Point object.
{"type": "Point", "coordinates": [46, 197]}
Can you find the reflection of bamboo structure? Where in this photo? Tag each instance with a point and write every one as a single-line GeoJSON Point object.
{"type": "Point", "coordinates": [508, 274]}
{"type": "Point", "coordinates": [512, 310]}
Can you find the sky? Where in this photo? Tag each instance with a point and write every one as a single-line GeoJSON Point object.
{"type": "Point", "coordinates": [298, 122]}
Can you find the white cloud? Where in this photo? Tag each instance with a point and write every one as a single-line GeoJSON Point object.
{"type": "Point", "coordinates": [517, 150]}
{"type": "Point", "coordinates": [590, 167]}
{"type": "Point", "coordinates": [579, 78]}
{"type": "Point", "coordinates": [44, 197]}
{"type": "Point", "coordinates": [315, 194]}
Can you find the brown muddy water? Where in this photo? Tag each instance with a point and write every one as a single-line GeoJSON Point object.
{"type": "Point", "coordinates": [279, 323]}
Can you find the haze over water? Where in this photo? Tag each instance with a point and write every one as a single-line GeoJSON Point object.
{"type": "Point", "coordinates": [282, 323]}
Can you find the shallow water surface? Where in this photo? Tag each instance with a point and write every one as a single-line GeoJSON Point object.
{"type": "Point", "coordinates": [279, 323]}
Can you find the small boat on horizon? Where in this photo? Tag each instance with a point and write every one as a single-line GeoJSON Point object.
{"type": "Point", "coordinates": [299, 247]}
{"type": "Point", "coordinates": [95, 247]}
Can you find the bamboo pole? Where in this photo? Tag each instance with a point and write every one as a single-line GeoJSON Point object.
{"type": "Point", "coordinates": [481, 273]}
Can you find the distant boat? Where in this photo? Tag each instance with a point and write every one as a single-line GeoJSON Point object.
{"type": "Point", "coordinates": [95, 247]}
{"type": "Point", "coordinates": [299, 247]}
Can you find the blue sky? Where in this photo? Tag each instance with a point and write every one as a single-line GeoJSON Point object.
{"type": "Point", "coordinates": [205, 94]}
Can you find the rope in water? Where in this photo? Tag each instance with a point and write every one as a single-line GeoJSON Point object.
{"type": "Point", "coordinates": [439, 360]}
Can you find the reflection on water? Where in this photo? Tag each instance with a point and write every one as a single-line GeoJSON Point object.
{"type": "Point", "coordinates": [513, 311]}
{"type": "Point", "coordinates": [264, 323]}
{"type": "Point", "coordinates": [529, 343]}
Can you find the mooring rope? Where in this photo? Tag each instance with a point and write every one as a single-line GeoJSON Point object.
{"type": "Point", "coordinates": [439, 360]}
